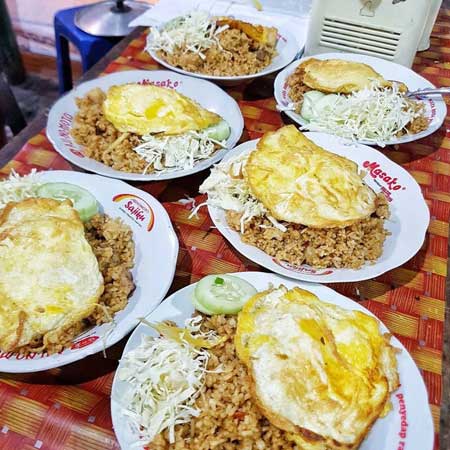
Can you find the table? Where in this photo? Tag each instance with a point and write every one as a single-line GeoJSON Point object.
{"type": "Point", "coordinates": [68, 407]}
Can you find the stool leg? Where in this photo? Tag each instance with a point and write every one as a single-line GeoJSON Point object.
{"type": "Point", "coordinates": [92, 54]}
{"type": "Point", "coordinates": [63, 64]}
{"type": "Point", "coordinates": [86, 62]}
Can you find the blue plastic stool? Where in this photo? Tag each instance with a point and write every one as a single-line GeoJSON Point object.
{"type": "Point", "coordinates": [91, 48]}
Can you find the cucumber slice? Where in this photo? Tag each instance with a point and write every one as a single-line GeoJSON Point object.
{"type": "Point", "coordinates": [310, 99]}
{"type": "Point", "coordinates": [326, 104]}
{"type": "Point", "coordinates": [199, 307]}
{"type": "Point", "coordinates": [83, 201]}
{"type": "Point", "coordinates": [219, 132]}
{"type": "Point", "coordinates": [223, 294]}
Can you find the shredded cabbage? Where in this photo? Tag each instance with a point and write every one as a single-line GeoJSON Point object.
{"type": "Point", "coordinates": [168, 153]}
{"type": "Point", "coordinates": [17, 188]}
{"type": "Point", "coordinates": [195, 32]}
{"type": "Point", "coordinates": [375, 114]}
{"type": "Point", "coordinates": [165, 376]}
{"type": "Point", "coordinates": [227, 189]}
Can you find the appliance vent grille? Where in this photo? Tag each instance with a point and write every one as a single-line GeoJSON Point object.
{"type": "Point", "coordinates": [358, 38]}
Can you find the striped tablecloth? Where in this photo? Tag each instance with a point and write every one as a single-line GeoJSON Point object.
{"type": "Point", "coordinates": [68, 408]}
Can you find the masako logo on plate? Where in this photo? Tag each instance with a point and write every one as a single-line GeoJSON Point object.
{"type": "Point", "coordinates": [136, 208]}
{"type": "Point", "coordinates": [387, 183]}
{"type": "Point", "coordinates": [300, 269]}
{"type": "Point", "coordinates": [162, 83]}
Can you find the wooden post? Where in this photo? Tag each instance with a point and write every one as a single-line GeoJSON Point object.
{"type": "Point", "coordinates": [10, 58]}
{"type": "Point", "coordinates": [3, 140]}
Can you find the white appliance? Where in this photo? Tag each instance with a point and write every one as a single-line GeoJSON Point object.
{"type": "Point", "coordinates": [388, 29]}
{"type": "Point", "coordinates": [435, 6]}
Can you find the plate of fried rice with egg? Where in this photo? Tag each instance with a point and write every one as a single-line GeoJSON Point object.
{"type": "Point", "coordinates": [255, 361]}
{"type": "Point", "coordinates": [82, 258]}
{"type": "Point", "coordinates": [145, 125]}
{"type": "Point", "coordinates": [315, 207]}
{"type": "Point", "coordinates": [221, 48]}
{"type": "Point", "coordinates": [358, 97]}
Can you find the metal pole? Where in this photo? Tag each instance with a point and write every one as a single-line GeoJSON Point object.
{"type": "Point", "coordinates": [10, 59]}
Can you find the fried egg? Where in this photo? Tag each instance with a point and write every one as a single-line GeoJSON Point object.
{"type": "Point", "coordinates": [300, 182]}
{"type": "Point", "coordinates": [49, 275]}
{"type": "Point", "coordinates": [340, 76]}
{"type": "Point", "coordinates": [145, 109]}
{"type": "Point", "coordinates": [318, 371]}
{"type": "Point", "coordinates": [260, 33]}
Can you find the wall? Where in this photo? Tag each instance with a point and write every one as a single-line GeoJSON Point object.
{"type": "Point", "coordinates": [33, 22]}
{"type": "Point", "coordinates": [33, 19]}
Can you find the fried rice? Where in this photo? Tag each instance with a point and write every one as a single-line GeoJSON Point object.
{"type": "Point", "coordinates": [237, 54]}
{"type": "Point", "coordinates": [296, 90]}
{"type": "Point", "coordinates": [229, 417]}
{"type": "Point", "coordinates": [101, 140]}
{"type": "Point", "coordinates": [112, 243]}
{"type": "Point", "coordinates": [347, 247]}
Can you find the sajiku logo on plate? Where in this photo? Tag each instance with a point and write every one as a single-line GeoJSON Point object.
{"type": "Point", "coordinates": [301, 269]}
{"type": "Point", "coordinates": [137, 209]}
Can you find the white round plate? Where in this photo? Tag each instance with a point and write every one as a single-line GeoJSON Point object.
{"type": "Point", "coordinates": [408, 222]}
{"type": "Point", "coordinates": [156, 252]}
{"type": "Point", "coordinates": [408, 426]}
{"type": "Point", "coordinates": [435, 107]}
{"type": "Point", "coordinates": [207, 94]}
{"type": "Point", "coordinates": [287, 49]}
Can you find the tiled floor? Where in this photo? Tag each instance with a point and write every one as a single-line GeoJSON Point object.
{"type": "Point", "coordinates": [35, 94]}
{"type": "Point", "coordinates": [40, 89]}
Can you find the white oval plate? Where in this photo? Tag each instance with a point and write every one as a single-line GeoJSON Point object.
{"type": "Point", "coordinates": [410, 401]}
{"type": "Point", "coordinates": [408, 222]}
{"type": "Point", "coordinates": [156, 247]}
{"type": "Point", "coordinates": [287, 48]}
{"type": "Point", "coordinates": [435, 107]}
{"type": "Point", "coordinates": [209, 95]}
